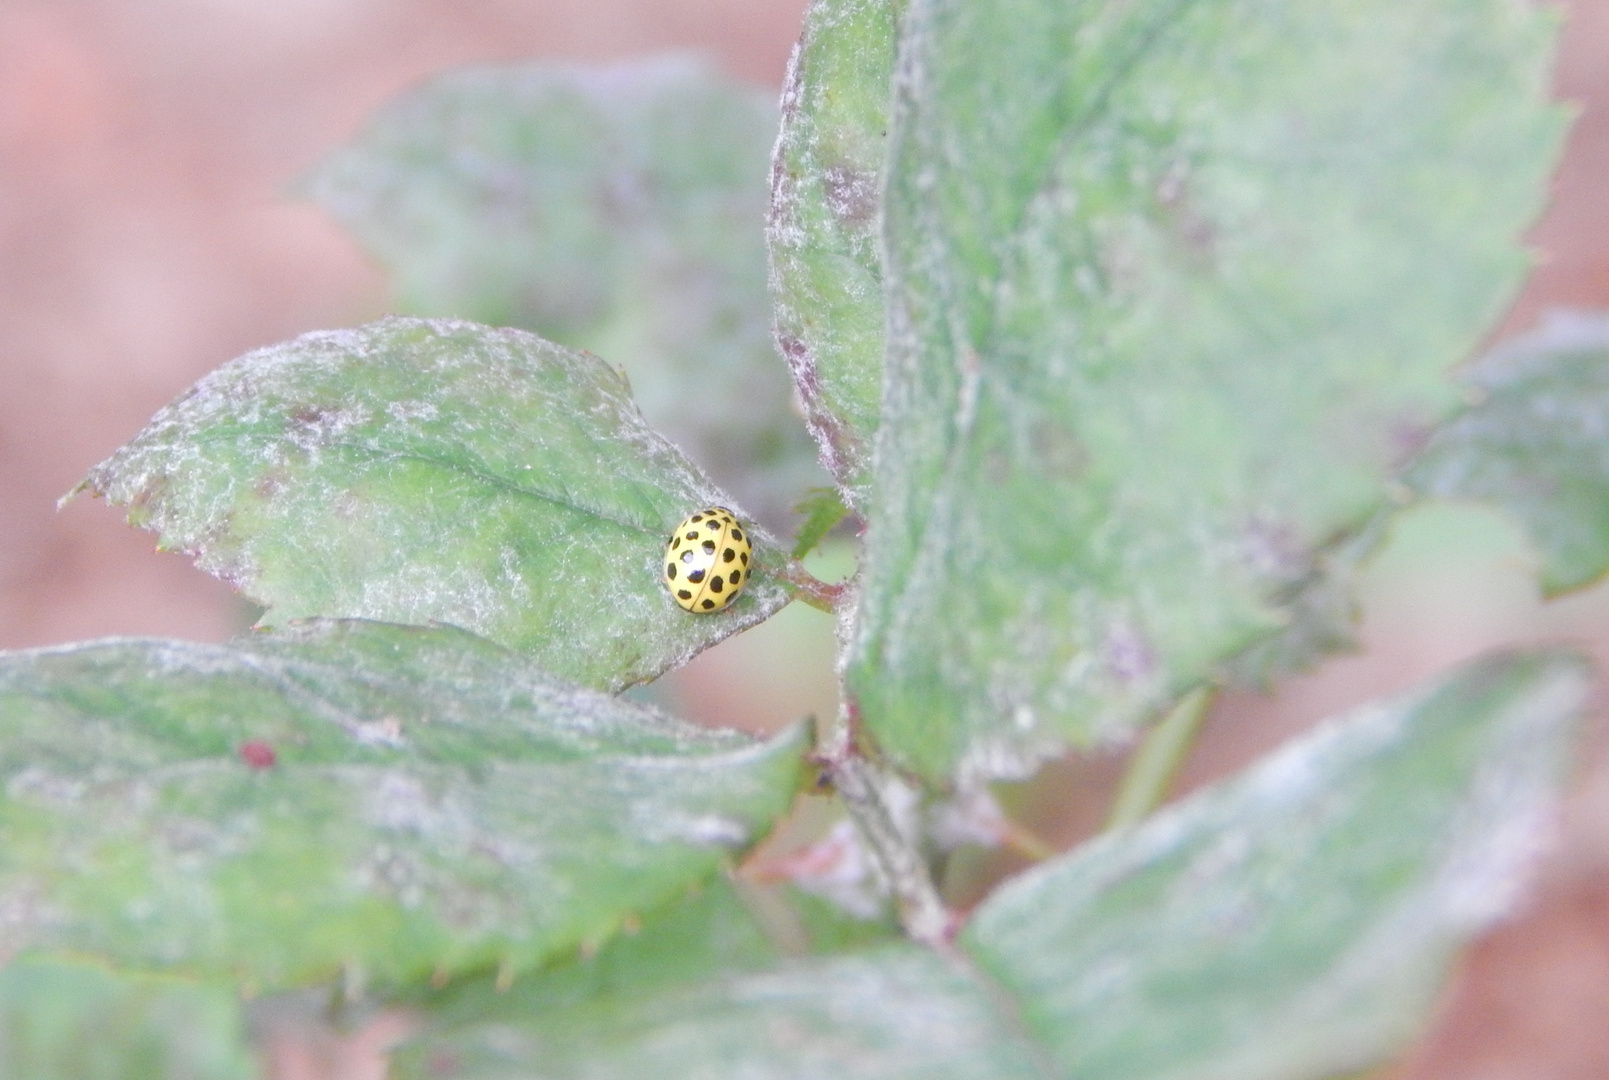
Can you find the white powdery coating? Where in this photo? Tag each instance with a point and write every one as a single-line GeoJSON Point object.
{"type": "Point", "coordinates": [1348, 894]}
{"type": "Point", "coordinates": [494, 805]}
{"type": "Point", "coordinates": [1099, 471]}
{"type": "Point", "coordinates": [535, 194]}
{"type": "Point", "coordinates": [896, 1011]}
{"type": "Point", "coordinates": [824, 229]}
{"type": "Point", "coordinates": [437, 471]}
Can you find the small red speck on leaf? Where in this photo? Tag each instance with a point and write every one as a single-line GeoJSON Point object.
{"type": "Point", "coordinates": [257, 754]}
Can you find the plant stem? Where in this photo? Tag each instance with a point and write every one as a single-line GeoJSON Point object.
{"type": "Point", "coordinates": [1156, 763]}
{"type": "Point", "coordinates": [921, 912]}
{"type": "Point", "coordinates": [811, 589]}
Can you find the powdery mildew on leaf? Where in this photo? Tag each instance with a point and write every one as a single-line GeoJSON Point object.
{"type": "Point", "coordinates": [1296, 923]}
{"type": "Point", "coordinates": [1173, 289]}
{"type": "Point", "coordinates": [889, 1013]}
{"type": "Point", "coordinates": [396, 800]}
{"type": "Point", "coordinates": [617, 209]}
{"type": "Point", "coordinates": [825, 225]}
{"type": "Point", "coordinates": [1291, 924]}
{"type": "Point", "coordinates": [420, 471]}
{"type": "Point", "coordinates": [1321, 609]}
{"type": "Point", "coordinates": [1535, 443]}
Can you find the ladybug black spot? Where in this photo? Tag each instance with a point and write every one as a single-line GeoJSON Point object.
{"type": "Point", "coordinates": [696, 576]}
{"type": "Point", "coordinates": [684, 594]}
{"type": "Point", "coordinates": [692, 535]}
{"type": "Point", "coordinates": [737, 534]}
{"type": "Point", "coordinates": [670, 571]}
{"type": "Point", "coordinates": [745, 557]}
{"type": "Point", "coordinates": [709, 547]}
{"type": "Point", "coordinates": [728, 555]}
{"type": "Point", "coordinates": [734, 577]}
{"type": "Point", "coordinates": [716, 584]}
{"type": "Point", "coordinates": [687, 556]}
{"type": "Point", "coordinates": [708, 604]}
{"type": "Point", "coordinates": [698, 517]}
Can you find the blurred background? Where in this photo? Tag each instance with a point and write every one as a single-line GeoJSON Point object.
{"type": "Point", "coordinates": [146, 237]}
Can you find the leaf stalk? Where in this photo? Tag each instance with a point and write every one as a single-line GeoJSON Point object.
{"type": "Point", "coordinates": [922, 913]}
{"type": "Point", "coordinates": [1155, 765]}
{"type": "Point", "coordinates": [812, 590]}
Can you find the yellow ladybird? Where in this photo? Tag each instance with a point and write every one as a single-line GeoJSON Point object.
{"type": "Point", "coordinates": [707, 560]}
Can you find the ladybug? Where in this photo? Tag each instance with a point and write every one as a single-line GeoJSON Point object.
{"type": "Point", "coordinates": [707, 560]}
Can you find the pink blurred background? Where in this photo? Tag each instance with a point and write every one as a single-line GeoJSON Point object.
{"type": "Point", "coordinates": [145, 239]}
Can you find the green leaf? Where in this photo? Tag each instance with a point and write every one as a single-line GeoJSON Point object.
{"type": "Point", "coordinates": [618, 210]}
{"type": "Point", "coordinates": [72, 1020]}
{"type": "Point", "coordinates": [703, 934]}
{"type": "Point", "coordinates": [898, 1011]}
{"type": "Point", "coordinates": [395, 801]}
{"type": "Point", "coordinates": [1289, 925]}
{"type": "Point", "coordinates": [1173, 286]}
{"type": "Point", "coordinates": [694, 950]}
{"type": "Point", "coordinates": [825, 225]}
{"type": "Point", "coordinates": [1321, 611]}
{"type": "Point", "coordinates": [823, 510]}
{"type": "Point", "coordinates": [421, 471]}
{"type": "Point", "coordinates": [1534, 443]}
{"type": "Point", "coordinates": [1297, 922]}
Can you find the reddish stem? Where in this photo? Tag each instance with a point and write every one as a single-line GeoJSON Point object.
{"type": "Point", "coordinates": [811, 589]}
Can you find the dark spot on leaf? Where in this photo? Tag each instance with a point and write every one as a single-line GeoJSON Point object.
{"type": "Point", "coordinates": [1407, 436]}
{"type": "Point", "coordinates": [271, 483]}
{"type": "Point", "coordinates": [1056, 450]}
{"type": "Point", "coordinates": [1128, 654]}
{"type": "Point", "coordinates": [1275, 549]}
{"type": "Point", "coordinates": [257, 754]}
{"type": "Point", "coordinates": [852, 194]}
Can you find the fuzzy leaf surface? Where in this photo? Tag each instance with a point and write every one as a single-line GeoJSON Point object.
{"type": "Point", "coordinates": [1321, 610]}
{"type": "Point", "coordinates": [895, 1011]}
{"type": "Point", "coordinates": [825, 227]}
{"type": "Point", "coordinates": [1294, 923]}
{"type": "Point", "coordinates": [1291, 924]}
{"type": "Point", "coordinates": [72, 1020]}
{"type": "Point", "coordinates": [418, 471]}
{"type": "Point", "coordinates": [618, 209]}
{"type": "Point", "coordinates": [397, 801]}
{"type": "Point", "coordinates": [1536, 444]}
{"type": "Point", "coordinates": [1172, 287]}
